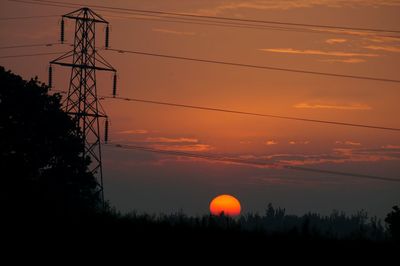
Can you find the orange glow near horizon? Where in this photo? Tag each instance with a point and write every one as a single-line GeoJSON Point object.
{"type": "Point", "coordinates": [226, 204]}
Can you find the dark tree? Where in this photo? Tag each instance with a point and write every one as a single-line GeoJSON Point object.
{"type": "Point", "coordinates": [42, 172]}
{"type": "Point", "coordinates": [393, 221]}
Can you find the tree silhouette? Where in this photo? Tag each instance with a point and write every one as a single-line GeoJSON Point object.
{"type": "Point", "coordinates": [42, 171]}
{"type": "Point", "coordinates": [393, 221]}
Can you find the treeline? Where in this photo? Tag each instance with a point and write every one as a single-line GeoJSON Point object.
{"type": "Point", "coordinates": [274, 222]}
{"type": "Point", "coordinates": [336, 225]}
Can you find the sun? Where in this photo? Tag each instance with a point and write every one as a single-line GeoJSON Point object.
{"type": "Point", "coordinates": [227, 204]}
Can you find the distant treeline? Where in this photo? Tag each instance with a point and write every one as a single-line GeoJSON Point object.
{"type": "Point", "coordinates": [274, 221]}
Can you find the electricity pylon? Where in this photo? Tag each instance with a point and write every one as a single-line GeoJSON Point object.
{"type": "Point", "coordinates": [82, 102]}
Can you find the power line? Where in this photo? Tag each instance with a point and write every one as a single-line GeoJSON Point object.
{"type": "Point", "coordinates": [28, 45]}
{"type": "Point", "coordinates": [28, 55]}
{"type": "Point", "coordinates": [273, 165]}
{"type": "Point", "coordinates": [29, 17]}
{"type": "Point", "coordinates": [256, 66]}
{"type": "Point", "coordinates": [306, 169]}
{"type": "Point", "coordinates": [228, 159]}
{"type": "Point", "coordinates": [33, 2]}
{"type": "Point", "coordinates": [223, 63]}
{"type": "Point", "coordinates": [192, 20]}
{"type": "Point", "coordinates": [226, 110]}
{"type": "Point", "coordinates": [155, 17]}
{"type": "Point", "coordinates": [228, 18]}
{"type": "Point", "coordinates": [220, 24]}
{"type": "Point", "coordinates": [150, 17]}
{"type": "Point", "coordinates": [204, 108]}
{"type": "Point", "coordinates": [213, 157]}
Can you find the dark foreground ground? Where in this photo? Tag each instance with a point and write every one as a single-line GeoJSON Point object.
{"type": "Point", "coordinates": [146, 241]}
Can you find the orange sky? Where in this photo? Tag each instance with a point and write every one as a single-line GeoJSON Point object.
{"type": "Point", "coordinates": [161, 183]}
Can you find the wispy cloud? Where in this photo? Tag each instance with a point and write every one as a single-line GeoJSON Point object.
{"type": "Point", "coordinates": [186, 147]}
{"type": "Point", "coordinates": [134, 131]}
{"type": "Point", "coordinates": [172, 140]}
{"type": "Point", "coordinates": [309, 181]}
{"type": "Point", "coordinates": [391, 146]}
{"type": "Point", "coordinates": [182, 144]}
{"type": "Point", "coordinates": [383, 39]}
{"type": "Point", "coordinates": [393, 49]}
{"type": "Point", "coordinates": [225, 6]}
{"type": "Point", "coordinates": [174, 32]}
{"type": "Point", "coordinates": [352, 143]}
{"type": "Point", "coordinates": [337, 156]}
{"type": "Point", "coordinates": [348, 32]}
{"type": "Point", "coordinates": [353, 154]}
{"type": "Point", "coordinates": [355, 106]}
{"type": "Point", "coordinates": [335, 41]}
{"type": "Point", "coordinates": [369, 36]}
{"type": "Point", "coordinates": [317, 52]}
{"type": "Point", "coordinates": [347, 60]}
{"type": "Point", "coordinates": [271, 142]}
{"type": "Point", "coordinates": [178, 144]}
{"type": "Point", "coordinates": [301, 142]}
{"type": "Point", "coordinates": [348, 142]}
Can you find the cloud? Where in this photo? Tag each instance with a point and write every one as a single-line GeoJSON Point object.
{"type": "Point", "coordinates": [337, 156]}
{"type": "Point", "coordinates": [369, 36]}
{"type": "Point", "coordinates": [383, 39]}
{"type": "Point", "coordinates": [381, 153]}
{"type": "Point", "coordinates": [279, 180]}
{"type": "Point", "coordinates": [186, 148]}
{"type": "Point", "coordinates": [317, 52]}
{"type": "Point", "coordinates": [349, 32]}
{"type": "Point", "coordinates": [355, 106]}
{"type": "Point", "coordinates": [335, 41]}
{"type": "Point", "coordinates": [352, 143]}
{"type": "Point", "coordinates": [289, 4]}
{"type": "Point", "coordinates": [392, 49]}
{"type": "Point", "coordinates": [349, 60]}
{"type": "Point", "coordinates": [345, 155]}
{"type": "Point", "coordinates": [178, 144]}
{"type": "Point", "coordinates": [296, 159]}
{"type": "Point", "coordinates": [303, 142]}
{"type": "Point", "coordinates": [174, 32]}
{"type": "Point", "coordinates": [171, 140]}
{"type": "Point", "coordinates": [309, 181]}
{"type": "Point", "coordinates": [390, 146]}
{"type": "Point", "coordinates": [271, 142]}
{"type": "Point", "coordinates": [348, 142]}
{"type": "Point", "coordinates": [240, 5]}
{"type": "Point", "coordinates": [134, 131]}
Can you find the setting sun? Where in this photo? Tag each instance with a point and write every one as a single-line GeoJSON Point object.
{"type": "Point", "coordinates": [227, 204]}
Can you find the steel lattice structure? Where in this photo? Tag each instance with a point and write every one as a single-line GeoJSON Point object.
{"type": "Point", "coordinates": [82, 102]}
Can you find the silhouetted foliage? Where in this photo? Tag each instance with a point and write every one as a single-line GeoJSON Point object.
{"type": "Point", "coordinates": [393, 221]}
{"type": "Point", "coordinates": [336, 225]}
{"type": "Point", "coordinates": [41, 166]}
{"type": "Point", "coordinates": [274, 224]}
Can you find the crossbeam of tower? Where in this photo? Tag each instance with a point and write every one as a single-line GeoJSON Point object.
{"type": "Point", "coordinates": [82, 102]}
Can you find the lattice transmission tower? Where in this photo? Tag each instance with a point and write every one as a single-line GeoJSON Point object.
{"type": "Point", "coordinates": [82, 102]}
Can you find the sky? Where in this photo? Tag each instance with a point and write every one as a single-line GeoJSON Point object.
{"type": "Point", "coordinates": [151, 182]}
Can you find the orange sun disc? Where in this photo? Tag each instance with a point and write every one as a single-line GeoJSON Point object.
{"type": "Point", "coordinates": [226, 204]}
